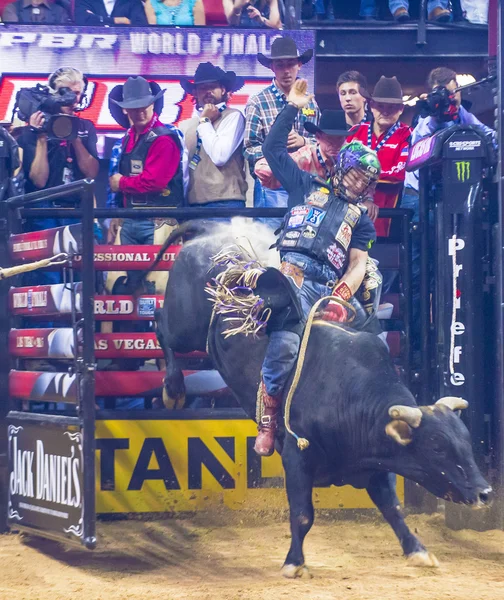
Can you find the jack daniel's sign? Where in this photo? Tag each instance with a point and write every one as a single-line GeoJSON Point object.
{"type": "Point", "coordinates": [45, 475]}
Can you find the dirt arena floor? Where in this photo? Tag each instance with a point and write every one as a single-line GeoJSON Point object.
{"type": "Point", "coordinates": [235, 557]}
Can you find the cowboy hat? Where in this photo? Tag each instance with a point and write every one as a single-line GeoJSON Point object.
{"type": "Point", "coordinates": [388, 90]}
{"type": "Point", "coordinates": [208, 73]}
{"type": "Point", "coordinates": [116, 94]}
{"type": "Point", "coordinates": [282, 48]}
{"type": "Point", "coordinates": [332, 122]}
{"type": "Point", "coordinates": [137, 94]}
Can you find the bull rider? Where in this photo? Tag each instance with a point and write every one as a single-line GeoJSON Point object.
{"type": "Point", "coordinates": [323, 244]}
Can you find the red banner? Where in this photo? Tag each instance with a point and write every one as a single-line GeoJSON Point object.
{"type": "Point", "coordinates": [61, 387]}
{"type": "Point", "coordinates": [55, 300]}
{"type": "Point", "coordinates": [131, 258]}
{"type": "Point", "coordinates": [38, 245]}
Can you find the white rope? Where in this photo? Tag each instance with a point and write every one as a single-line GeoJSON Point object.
{"type": "Point", "coordinates": [454, 304]}
{"type": "Point", "coordinates": [57, 259]}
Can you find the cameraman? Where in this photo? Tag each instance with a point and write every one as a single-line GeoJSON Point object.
{"type": "Point", "coordinates": [47, 162]}
{"type": "Point", "coordinates": [455, 115]}
{"type": "Point", "coordinates": [11, 175]}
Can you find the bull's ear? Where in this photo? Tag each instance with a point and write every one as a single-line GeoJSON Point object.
{"type": "Point", "coordinates": [400, 432]}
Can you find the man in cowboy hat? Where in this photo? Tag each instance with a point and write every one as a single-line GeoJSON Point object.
{"type": "Point", "coordinates": [316, 159]}
{"type": "Point", "coordinates": [214, 139]}
{"type": "Point", "coordinates": [261, 111]}
{"type": "Point", "coordinates": [151, 163]}
{"type": "Point", "coordinates": [390, 139]}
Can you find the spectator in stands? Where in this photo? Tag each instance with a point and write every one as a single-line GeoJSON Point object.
{"type": "Point", "coordinates": [253, 13]}
{"type": "Point", "coordinates": [50, 162]}
{"type": "Point", "coordinates": [214, 139]}
{"type": "Point", "coordinates": [352, 88]}
{"type": "Point", "coordinates": [150, 166]}
{"type": "Point", "coordinates": [262, 110]}
{"type": "Point", "coordinates": [181, 13]}
{"type": "Point", "coordinates": [50, 12]}
{"type": "Point", "coordinates": [390, 139]}
{"type": "Point", "coordinates": [438, 11]}
{"type": "Point", "coordinates": [315, 159]}
{"type": "Point", "coordinates": [110, 12]}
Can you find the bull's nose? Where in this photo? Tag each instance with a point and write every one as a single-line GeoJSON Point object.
{"type": "Point", "coordinates": [485, 497]}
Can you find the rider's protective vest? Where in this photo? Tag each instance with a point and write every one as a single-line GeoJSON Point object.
{"type": "Point", "coordinates": [321, 228]}
{"type": "Point", "coordinates": [132, 163]}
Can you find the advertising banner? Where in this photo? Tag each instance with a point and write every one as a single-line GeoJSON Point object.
{"type": "Point", "coordinates": [46, 475]}
{"type": "Point", "coordinates": [172, 465]}
{"type": "Point", "coordinates": [108, 56]}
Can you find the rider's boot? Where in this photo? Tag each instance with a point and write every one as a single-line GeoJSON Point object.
{"type": "Point", "coordinates": [265, 440]}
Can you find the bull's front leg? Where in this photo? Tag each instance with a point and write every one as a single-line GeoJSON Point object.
{"type": "Point", "coordinates": [299, 484]}
{"type": "Point", "coordinates": [173, 383]}
{"type": "Point", "coordinates": [381, 490]}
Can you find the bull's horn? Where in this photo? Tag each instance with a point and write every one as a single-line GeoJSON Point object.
{"type": "Point", "coordinates": [409, 414]}
{"type": "Point", "coordinates": [453, 402]}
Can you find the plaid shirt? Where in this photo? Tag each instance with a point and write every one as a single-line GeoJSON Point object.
{"type": "Point", "coordinates": [260, 114]}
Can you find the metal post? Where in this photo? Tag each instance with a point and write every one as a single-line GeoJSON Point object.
{"type": "Point", "coordinates": [422, 28]}
{"type": "Point", "coordinates": [87, 365]}
{"type": "Point", "coordinates": [425, 346]}
{"type": "Point", "coordinates": [499, 287]}
{"type": "Point", "coordinates": [4, 366]}
{"type": "Point", "coordinates": [406, 283]}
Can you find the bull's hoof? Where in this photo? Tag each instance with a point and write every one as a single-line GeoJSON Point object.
{"type": "Point", "coordinates": [295, 571]}
{"type": "Point", "coordinates": [173, 402]}
{"type": "Point", "coordinates": [423, 559]}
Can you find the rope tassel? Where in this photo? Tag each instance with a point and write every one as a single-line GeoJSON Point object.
{"type": "Point", "coordinates": [58, 259]}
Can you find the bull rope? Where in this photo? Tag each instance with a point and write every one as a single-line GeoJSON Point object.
{"type": "Point", "coordinates": [302, 442]}
{"type": "Point", "coordinates": [57, 259]}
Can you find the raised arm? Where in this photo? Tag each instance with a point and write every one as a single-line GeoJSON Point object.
{"type": "Point", "coordinates": [292, 178]}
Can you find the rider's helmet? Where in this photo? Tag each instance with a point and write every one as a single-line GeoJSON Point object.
{"type": "Point", "coordinates": [365, 167]}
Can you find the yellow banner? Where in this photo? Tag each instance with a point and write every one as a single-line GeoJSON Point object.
{"type": "Point", "coordinates": [179, 465]}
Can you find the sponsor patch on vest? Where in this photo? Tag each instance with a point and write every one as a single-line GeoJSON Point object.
{"type": "Point", "coordinates": [315, 216]}
{"type": "Point", "coordinates": [309, 232]}
{"type": "Point", "coordinates": [336, 256]}
{"type": "Point", "coordinates": [300, 210]}
{"type": "Point", "coordinates": [372, 281]}
{"type": "Point", "coordinates": [296, 221]}
{"type": "Point", "coordinates": [344, 235]}
{"type": "Point", "coordinates": [146, 307]}
{"type": "Point", "coordinates": [353, 215]}
{"type": "Point", "coordinates": [136, 167]}
{"type": "Point", "coordinates": [318, 199]}
{"type": "Point", "coordinates": [292, 235]}
{"type": "Point", "coordinates": [289, 243]}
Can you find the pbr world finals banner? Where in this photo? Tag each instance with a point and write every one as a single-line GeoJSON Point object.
{"type": "Point", "coordinates": [108, 56]}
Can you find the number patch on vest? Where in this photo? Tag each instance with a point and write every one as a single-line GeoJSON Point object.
{"type": "Point", "coordinates": [344, 235]}
{"type": "Point", "coordinates": [315, 216]}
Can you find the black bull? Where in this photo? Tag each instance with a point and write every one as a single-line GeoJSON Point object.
{"type": "Point", "coordinates": [362, 422]}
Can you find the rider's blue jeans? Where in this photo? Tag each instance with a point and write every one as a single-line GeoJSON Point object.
{"type": "Point", "coordinates": [283, 346]}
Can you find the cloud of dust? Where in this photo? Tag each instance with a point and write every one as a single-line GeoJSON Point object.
{"type": "Point", "coordinates": [255, 237]}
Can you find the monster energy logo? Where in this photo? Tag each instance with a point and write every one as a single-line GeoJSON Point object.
{"type": "Point", "coordinates": [463, 170]}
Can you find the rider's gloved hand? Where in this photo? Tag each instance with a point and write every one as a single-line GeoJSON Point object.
{"type": "Point", "coordinates": [335, 311]}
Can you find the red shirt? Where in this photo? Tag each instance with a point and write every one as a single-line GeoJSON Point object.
{"type": "Point", "coordinates": [161, 163]}
{"type": "Point", "coordinates": [392, 156]}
